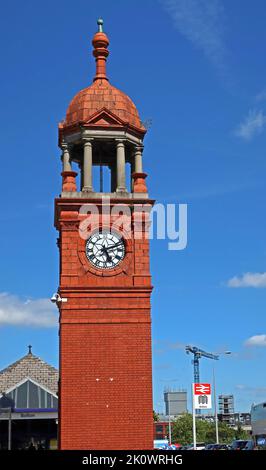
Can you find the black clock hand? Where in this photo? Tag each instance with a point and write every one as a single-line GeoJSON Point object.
{"type": "Point", "coordinates": [114, 246]}
{"type": "Point", "coordinates": [109, 259]}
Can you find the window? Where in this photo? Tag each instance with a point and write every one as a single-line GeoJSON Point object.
{"type": "Point", "coordinates": [159, 428]}
{"type": "Point", "coordinates": [32, 396]}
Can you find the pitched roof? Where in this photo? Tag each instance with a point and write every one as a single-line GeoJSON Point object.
{"type": "Point", "coordinates": [32, 367]}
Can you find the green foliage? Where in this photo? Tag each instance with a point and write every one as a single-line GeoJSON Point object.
{"type": "Point", "coordinates": [155, 416]}
{"type": "Point", "coordinates": [182, 431]}
{"type": "Point", "coordinates": [226, 434]}
{"type": "Point", "coordinates": [241, 433]}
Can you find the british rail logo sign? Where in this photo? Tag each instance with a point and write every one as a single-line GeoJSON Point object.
{"type": "Point", "coordinates": [202, 396]}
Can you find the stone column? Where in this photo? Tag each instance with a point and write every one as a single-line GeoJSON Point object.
{"type": "Point", "coordinates": [66, 158]}
{"type": "Point", "coordinates": [138, 159]}
{"type": "Point", "coordinates": [120, 166]}
{"type": "Point", "coordinates": [87, 165]}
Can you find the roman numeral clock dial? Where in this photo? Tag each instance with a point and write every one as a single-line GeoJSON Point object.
{"type": "Point", "coordinates": [105, 250]}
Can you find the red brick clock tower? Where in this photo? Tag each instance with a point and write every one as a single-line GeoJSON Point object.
{"type": "Point", "coordinates": [105, 282]}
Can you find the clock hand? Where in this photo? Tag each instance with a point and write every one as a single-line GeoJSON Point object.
{"type": "Point", "coordinates": [114, 246]}
{"type": "Point", "coordinates": [108, 257]}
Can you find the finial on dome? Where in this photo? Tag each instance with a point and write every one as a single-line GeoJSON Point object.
{"type": "Point", "coordinates": [100, 43]}
{"type": "Point", "coordinates": [100, 25]}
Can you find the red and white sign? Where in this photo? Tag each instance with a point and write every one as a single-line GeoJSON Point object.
{"type": "Point", "coordinates": [202, 389]}
{"type": "Point", "coordinates": [202, 396]}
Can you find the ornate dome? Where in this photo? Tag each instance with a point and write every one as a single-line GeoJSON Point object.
{"type": "Point", "coordinates": [101, 94]}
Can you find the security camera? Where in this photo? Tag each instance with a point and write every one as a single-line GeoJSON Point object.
{"type": "Point", "coordinates": [56, 298]}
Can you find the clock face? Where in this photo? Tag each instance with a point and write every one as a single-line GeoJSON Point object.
{"type": "Point", "coordinates": [105, 250]}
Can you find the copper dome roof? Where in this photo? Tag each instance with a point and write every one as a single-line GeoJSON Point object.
{"type": "Point", "coordinates": [101, 94]}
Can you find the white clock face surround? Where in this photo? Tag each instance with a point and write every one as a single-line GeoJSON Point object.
{"type": "Point", "coordinates": [105, 249]}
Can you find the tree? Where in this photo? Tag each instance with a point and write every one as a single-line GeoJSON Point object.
{"type": "Point", "coordinates": [226, 433]}
{"type": "Point", "coordinates": [241, 433]}
{"type": "Point", "coordinates": [155, 416]}
{"type": "Point", "coordinates": [182, 431]}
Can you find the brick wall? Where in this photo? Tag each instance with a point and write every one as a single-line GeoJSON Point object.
{"type": "Point", "coordinates": [105, 345]}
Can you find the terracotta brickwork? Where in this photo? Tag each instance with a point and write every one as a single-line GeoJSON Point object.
{"type": "Point", "coordinates": [105, 344]}
{"type": "Point", "coordinates": [105, 376]}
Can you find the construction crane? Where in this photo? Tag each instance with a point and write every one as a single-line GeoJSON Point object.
{"type": "Point", "coordinates": [198, 353]}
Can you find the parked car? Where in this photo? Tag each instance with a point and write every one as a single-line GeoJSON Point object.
{"type": "Point", "coordinates": [239, 444]}
{"type": "Point", "coordinates": [216, 447]}
{"type": "Point", "coordinates": [209, 446]}
{"type": "Point", "coordinates": [223, 447]}
{"type": "Point", "coordinates": [199, 446]}
{"type": "Point", "coordinates": [250, 445]}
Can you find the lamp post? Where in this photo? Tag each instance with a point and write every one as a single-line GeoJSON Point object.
{"type": "Point", "coordinates": [9, 443]}
{"type": "Point", "coordinates": [215, 407]}
{"type": "Point", "coordinates": [215, 400]}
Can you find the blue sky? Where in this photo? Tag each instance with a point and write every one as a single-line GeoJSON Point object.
{"type": "Point", "coordinates": [197, 70]}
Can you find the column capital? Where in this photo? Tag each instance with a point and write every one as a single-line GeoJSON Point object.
{"type": "Point", "coordinates": [87, 142]}
{"type": "Point", "coordinates": [138, 148]}
{"type": "Point", "coordinates": [65, 146]}
{"type": "Point", "coordinates": [120, 141]}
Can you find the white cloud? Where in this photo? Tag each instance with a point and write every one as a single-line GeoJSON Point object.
{"type": "Point", "coordinates": [257, 340]}
{"type": "Point", "coordinates": [248, 280]}
{"type": "Point", "coordinates": [254, 124]}
{"type": "Point", "coordinates": [200, 21]}
{"type": "Point", "coordinates": [17, 312]}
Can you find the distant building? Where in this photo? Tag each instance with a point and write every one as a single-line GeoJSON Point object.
{"type": "Point", "coordinates": [227, 413]}
{"type": "Point", "coordinates": [160, 430]}
{"type": "Point", "coordinates": [226, 404]}
{"type": "Point", "coordinates": [175, 402]}
{"type": "Point", "coordinates": [237, 419]}
{"type": "Point", "coordinates": [28, 400]}
{"type": "Point", "coordinates": [258, 423]}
